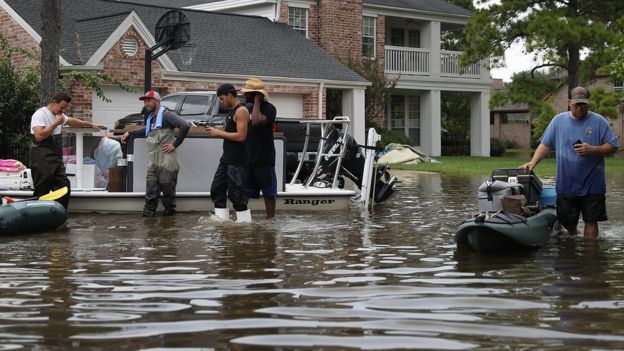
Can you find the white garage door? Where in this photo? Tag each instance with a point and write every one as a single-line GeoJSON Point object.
{"type": "Point", "coordinates": [287, 105]}
{"type": "Point", "coordinates": [122, 103]}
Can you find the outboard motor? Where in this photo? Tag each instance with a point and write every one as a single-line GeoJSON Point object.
{"type": "Point", "coordinates": [352, 165]}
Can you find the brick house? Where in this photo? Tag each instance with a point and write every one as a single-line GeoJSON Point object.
{"type": "Point", "coordinates": [512, 122]}
{"type": "Point", "coordinates": [406, 37]}
{"type": "Point", "coordinates": [111, 37]}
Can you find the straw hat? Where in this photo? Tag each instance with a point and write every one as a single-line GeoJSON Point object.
{"type": "Point", "coordinates": [255, 85]}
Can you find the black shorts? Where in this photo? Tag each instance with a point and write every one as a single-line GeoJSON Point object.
{"type": "Point", "coordinates": [261, 178]}
{"type": "Point", "coordinates": [591, 206]}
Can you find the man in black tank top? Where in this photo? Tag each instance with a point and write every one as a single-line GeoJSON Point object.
{"type": "Point", "coordinates": [229, 179]}
{"type": "Point", "coordinates": [260, 148]}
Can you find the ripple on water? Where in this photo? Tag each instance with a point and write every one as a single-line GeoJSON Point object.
{"type": "Point", "coordinates": [366, 342]}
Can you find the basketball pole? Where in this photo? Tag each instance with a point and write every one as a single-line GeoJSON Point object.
{"type": "Point", "coordinates": [149, 57]}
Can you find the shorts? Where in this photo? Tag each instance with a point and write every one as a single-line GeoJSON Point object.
{"type": "Point", "coordinates": [591, 206]}
{"type": "Point", "coordinates": [261, 178]}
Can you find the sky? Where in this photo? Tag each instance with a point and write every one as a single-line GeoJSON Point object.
{"type": "Point", "coordinates": [515, 61]}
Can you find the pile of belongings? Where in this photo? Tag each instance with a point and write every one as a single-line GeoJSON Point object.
{"type": "Point", "coordinates": [14, 175]}
{"type": "Point", "coordinates": [399, 153]}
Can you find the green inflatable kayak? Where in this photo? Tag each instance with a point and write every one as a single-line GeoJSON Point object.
{"type": "Point", "coordinates": [31, 216]}
{"type": "Point", "coordinates": [501, 231]}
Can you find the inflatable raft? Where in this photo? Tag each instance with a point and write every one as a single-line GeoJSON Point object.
{"type": "Point", "coordinates": [503, 231]}
{"type": "Point", "coordinates": [31, 216]}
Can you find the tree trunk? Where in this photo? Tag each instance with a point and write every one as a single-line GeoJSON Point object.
{"type": "Point", "coordinates": [574, 64]}
{"type": "Point", "coordinates": [50, 42]}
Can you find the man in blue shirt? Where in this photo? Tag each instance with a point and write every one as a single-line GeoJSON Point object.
{"type": "Point", "coordinates": [580, 139]}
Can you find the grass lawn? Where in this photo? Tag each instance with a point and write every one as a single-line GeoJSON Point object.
{"type": "Point", "coordinates": [469, 165]}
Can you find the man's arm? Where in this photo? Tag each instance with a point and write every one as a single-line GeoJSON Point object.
{"type": "Point", "coordinates": [41, 132]}
{"type": "Point", "coordinates": [600, 150]}
{"type": "Point", "coordinates": [75, 122]}
{"type": "Point", "coordinates": [541, 152]}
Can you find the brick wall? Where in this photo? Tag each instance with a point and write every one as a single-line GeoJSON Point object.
{"type": "Point", "coordinates": [17, 37]}
{"type": "Point", "coordinates": [340, 28]}
{"type": "Point", "coordinates": [130, 71]}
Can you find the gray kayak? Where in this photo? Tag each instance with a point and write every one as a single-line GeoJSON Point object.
{"type": "Point", "coordinates": [501, 231]}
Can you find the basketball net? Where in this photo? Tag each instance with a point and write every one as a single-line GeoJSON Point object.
{"type": "Point", "coordinates": [187, 52]}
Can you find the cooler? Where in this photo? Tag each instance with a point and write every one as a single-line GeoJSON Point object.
{"type": "Point", "coordinates": [530, 183]}
{"type": "Point", "coordinates": [548, 197]}
{"type": "Point", "coordinates": [491, 193]}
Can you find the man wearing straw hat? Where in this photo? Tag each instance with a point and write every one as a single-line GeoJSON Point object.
{"type": "Point", "coordinates": [260, 148]}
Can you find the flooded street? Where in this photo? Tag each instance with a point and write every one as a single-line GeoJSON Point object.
{"type": "Point", "coordinates": [391, 278]}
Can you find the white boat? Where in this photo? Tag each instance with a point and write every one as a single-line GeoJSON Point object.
{"type": "Point", "coordinates": [322, 190]}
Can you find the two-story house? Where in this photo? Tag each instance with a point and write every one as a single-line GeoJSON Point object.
{"type": "Point", "coordinates": [111, 37]}
{"type": "Point", "coordinates": [406, 37]}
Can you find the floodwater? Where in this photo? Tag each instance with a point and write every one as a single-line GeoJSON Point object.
{"type": "Point", "coordinates": [390, 278]}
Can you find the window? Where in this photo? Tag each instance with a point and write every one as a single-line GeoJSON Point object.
{"type": "Point", "coordinates": [195, 105]}
{"type": "Point", "coordinates": [515, 117]}
{"type": "Point", "coordinates": [368, 36]}
{"type": "Point", "coordinates": [170, 102]}
{"type": "Point", "coordinates": [405, 116]}
{"type": "Point", "coordinates": [397, 37]}
{"type": "Point", "coordinates": [413, 38]}
{"type": "Point", "coordinates": [617, 86]}
{"type": "Point", "coordinates": [298, 19]}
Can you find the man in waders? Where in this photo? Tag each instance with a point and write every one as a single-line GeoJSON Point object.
{"type": "Point", "coordinates": [162, 162]}
{"type": "Point", "coordinates": [46, 151]}
{"type": "Point", "coordinates": [229, 179]}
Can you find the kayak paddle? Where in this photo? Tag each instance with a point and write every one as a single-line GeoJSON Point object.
{"type": "Point", "coordinates": [55, 195]}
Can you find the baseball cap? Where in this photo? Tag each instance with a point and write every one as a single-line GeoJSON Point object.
{"type": "Point", "coordinates": [150, 95]}
{"type": "Point", "coordinates": [226, 88]}
{"type": "Point", "coordinates": [579, 95]}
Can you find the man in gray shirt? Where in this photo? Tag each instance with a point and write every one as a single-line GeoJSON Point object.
{"type": "Point", "coordinates": [162, 163]}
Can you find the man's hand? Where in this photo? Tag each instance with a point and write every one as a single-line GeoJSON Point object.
{"type": "Point", "coordinates": [583, 149]}
{"type": "Point", "coordinates": [59, 120]}
{"type": "Point", "coordinates": [167, 148]}
{"type": "Point", "coordinates": [529, 165]}
{"type": "Point", "coordinates": [124, 137]}
{"type": "Point", "coordinates": [214, 132]}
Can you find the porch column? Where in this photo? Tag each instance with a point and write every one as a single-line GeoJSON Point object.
{"type": "Point", "coordinates": [480, 124]}
{"type": "Point", "coordinates": [353, 107]}
{"type": "Point", "coordinates": [431, 40]}
{"type": "Point", "coordinates": [430, 123]}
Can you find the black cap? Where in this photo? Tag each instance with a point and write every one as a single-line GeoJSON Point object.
{"type": "Point", "coordinates": [226, 88]}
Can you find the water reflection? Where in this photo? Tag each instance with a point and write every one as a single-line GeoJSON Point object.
{"type": "Point", "coordinates": [390, 278]}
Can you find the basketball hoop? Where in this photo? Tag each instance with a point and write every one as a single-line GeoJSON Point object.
{"type": "Point", "coordinates": [187, 52]}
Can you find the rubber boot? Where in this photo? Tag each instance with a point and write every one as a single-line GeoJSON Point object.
{"type": "Point", "coordinates": [243, 216]}
{"type": "Point", "coordinates": [222, 214]}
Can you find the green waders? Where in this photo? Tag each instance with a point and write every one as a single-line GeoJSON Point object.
{"type": "Point", "coordinates": [162, 172]}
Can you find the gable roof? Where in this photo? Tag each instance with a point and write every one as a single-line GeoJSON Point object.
{"type": "Point", "coordinates": [224, 41]}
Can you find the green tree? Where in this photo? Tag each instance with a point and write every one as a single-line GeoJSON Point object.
{"type": "Point", "coordinates": [556, 31]}
{"type": "Point", "coordinates": [377, 94]}
{"type": "Point", "coordinates": [19, 98]}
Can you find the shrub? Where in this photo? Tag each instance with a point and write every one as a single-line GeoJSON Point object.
{"type": "Point", "coordinates": [455, 147]}
{"type": "Point", "coordinates": [497, 148]}
{"type": "Point", "coordinates": [393, 136]}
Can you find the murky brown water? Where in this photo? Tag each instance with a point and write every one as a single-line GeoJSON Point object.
{"type": "Point", "coordinates": [389, 279]}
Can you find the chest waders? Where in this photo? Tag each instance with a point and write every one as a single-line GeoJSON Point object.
{"type": "Point", "coordinates": [162, 172]}
{"type": "Point", "coordinates": [47, 167]}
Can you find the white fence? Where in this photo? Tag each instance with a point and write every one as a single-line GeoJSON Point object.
{"type": "Point", "coordinates": [416, 61]}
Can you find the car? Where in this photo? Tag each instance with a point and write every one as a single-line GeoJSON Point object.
{"type": "Point", "coordinates": [201, 108]}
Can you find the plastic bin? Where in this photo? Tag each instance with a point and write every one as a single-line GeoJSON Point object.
{"type": "Point", "coordinates": [548, 197]}
{"type": "Point", "coordinates": [530, 183]}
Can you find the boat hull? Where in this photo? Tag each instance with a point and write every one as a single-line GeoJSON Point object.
{"type": "Point", "coordinates": [28, 217]}
{"type": "Point", "coordinates": [507, 232]}
{"type": "Point", "coordinates": [295, 198]}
